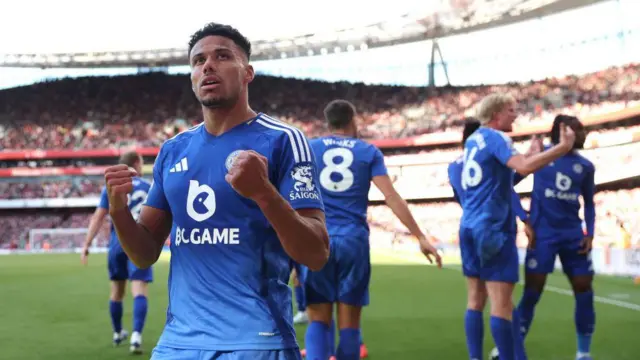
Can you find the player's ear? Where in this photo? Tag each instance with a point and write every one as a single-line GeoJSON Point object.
{"type": "Point", "coordinates": [249, 73]}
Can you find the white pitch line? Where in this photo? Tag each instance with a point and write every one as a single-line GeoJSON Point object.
{"type": "Point", "coordinates": [557, 290]}
{"type": "Point", "coordinates": [600, 299]}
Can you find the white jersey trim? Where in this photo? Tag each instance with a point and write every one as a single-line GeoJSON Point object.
{"type": "Point", "coordinates": [192, 129]}
{"type": "Point", "coordinates": [299, 144]}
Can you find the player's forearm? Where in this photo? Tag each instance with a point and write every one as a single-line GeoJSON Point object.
{"type": "Point", "coordinates": [401, 210]}
{"type": "Point", "coordinates": [535, 162]}
{"type": "Point", "coordinates": [136, 241]}
{"type": "Point", "coordinates": [94, 225]}
{"type": "Point", "coordinates": [590, 217]}
{"type": "Point", "coordinates": [305, 239]}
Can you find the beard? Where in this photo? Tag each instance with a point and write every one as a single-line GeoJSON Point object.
{"type": "Point", "coordinates": [219, 102]}
{"type": "Point", "coordinates": [216, 103]}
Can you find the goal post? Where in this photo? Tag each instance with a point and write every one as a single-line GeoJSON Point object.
{"type": "Point", "coordinates": [64, 240]}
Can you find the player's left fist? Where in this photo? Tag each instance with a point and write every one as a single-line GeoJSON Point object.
{"type": "Point", "coordinates": [248, 174]}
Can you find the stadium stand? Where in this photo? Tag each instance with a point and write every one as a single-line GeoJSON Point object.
{"type": "Point", "coordinates": [103, 112]}
{"type": "Point", "coordinates": [144, 110]}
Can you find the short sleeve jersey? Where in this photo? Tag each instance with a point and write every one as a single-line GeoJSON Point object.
{"type": "Point", "coordinates": [346, 167]}
{"type": "Point", "coordinates": [555, 200]}
{"type": "Point", "coordinates": [487, 182]}
{"type": "Point", "coordinates": [228, 280]}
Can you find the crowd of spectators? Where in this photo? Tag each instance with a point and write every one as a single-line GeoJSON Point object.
{"type": "Point", "coordinates": [16, 230]}
{"type": "Point", "coordinates": [63, 187]}
{"type": "Point", "coordinates": [617, 214]}
{"type": "Point", "coordinates": [409, 172]}
{"type": "Point", "coordinates": [105, 112]}
{"type": "Point", "coordinates": [616, 219]}
{"type": "Point", "coordinates": [145, 110]}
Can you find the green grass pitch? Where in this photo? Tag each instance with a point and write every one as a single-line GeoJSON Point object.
{"type": "Point", "coordinates": [53, 308]}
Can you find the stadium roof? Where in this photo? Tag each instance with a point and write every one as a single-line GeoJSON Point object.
{"type": "Point", "coordinates": [67, 26]}
{"type": "Point", "coordinates": [67, 33]}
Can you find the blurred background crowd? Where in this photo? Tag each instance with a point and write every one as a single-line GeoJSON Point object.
{"type": "Point", "coordinates": [145, 110]}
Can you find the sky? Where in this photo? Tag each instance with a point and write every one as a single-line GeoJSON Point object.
{"type": "Point", "coordinates": [576, 42]}
{"type": "Point", "coordinates": [44, 26]}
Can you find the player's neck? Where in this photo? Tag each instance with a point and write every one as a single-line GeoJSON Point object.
{"type": "Point", "coordinates": [219, 121]}
{"type": "Point", "coordinates": [492, 125]}
{"type": "Point", "coordinates": [344, 133]}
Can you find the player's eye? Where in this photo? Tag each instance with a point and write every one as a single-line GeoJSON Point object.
{"type": "Point", "coordinates": [198, 61]}
{"type": "Point", "coordinates": [223, 56]}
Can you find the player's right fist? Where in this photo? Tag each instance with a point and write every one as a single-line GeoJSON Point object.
{"type": "Point", "coordinates": [567, 137]}
{"type": "Point", "coordinates": [119, 180]}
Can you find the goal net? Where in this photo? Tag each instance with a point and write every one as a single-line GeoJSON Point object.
{"type": "Point", "coordinates": [64, 240]}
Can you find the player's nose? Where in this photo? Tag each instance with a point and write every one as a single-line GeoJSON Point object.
{"type": "Point", "coordinates": [209, 67]}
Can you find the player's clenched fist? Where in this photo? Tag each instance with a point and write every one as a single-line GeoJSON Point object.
{"type": "Point", "coordinates": [119, 181]}
{"type": "Point", "coordinates": [248, 174]}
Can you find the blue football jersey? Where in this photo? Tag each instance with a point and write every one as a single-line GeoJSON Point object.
{"type": "Point", "coordinates": [347, 166]}
{"type": "Point", "coordinates": [487, 182]}
{"type": "Point", "coordinates": [555, 200]}
{"type": "Point", "coordinates": [229, 272]}
{"type": "Point", "coordinates": [455, 180]}
{"type": "Point", "coordinates": [136, 200]}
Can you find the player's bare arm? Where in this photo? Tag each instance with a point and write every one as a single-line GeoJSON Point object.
{"type": "Point", "coordinates": [142, 241]}
{"type": "Point", "coordinates": [400, 208]}
{"type": "Point", "coordinates": [303, 233]}
{"type": "Point", "coordinates": [94, 226]}
{"type": "Point", "coordinates": [526, 165]}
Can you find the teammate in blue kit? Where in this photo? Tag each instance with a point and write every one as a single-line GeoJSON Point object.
{"type": "Point", "coordinates": [347, 168]}
{"type": "Point", "coordinates": [488, 225]}
{"type": "Point", "coordinates": [239, 196]}
{"type": "Point", "coordinates": [474, 322]}
{"type": "Point", "coordinates": [555, 216]}
{"type": "Point", "coordinates": [454, 171]}
{"type": "Point", "coordinates": [120, 267]}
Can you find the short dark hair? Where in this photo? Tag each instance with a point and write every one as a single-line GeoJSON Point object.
{"type": "Point", "coordinates": [562, 119]}
{"type": "Point", "coordinates": [471, 124]}
{"type": "Point", "coordinates": [129, 158]}
{"type": "Point", "coordinates": [215, 29]}
{"type": "Point", "coordinates": [339, 113]}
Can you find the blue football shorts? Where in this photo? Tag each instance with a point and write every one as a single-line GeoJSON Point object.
{"type": "Point", "coordinates": [489, 255]}
{"type": "Point", "coordinates": [541, 259]}
{"type": "Point", "coordinates": [121, 268]}
{"type": "Point", "coordinates": [345, 278]}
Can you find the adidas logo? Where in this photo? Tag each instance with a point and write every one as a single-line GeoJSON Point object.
{"type": "Point", "coordinates": [180, 166]}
